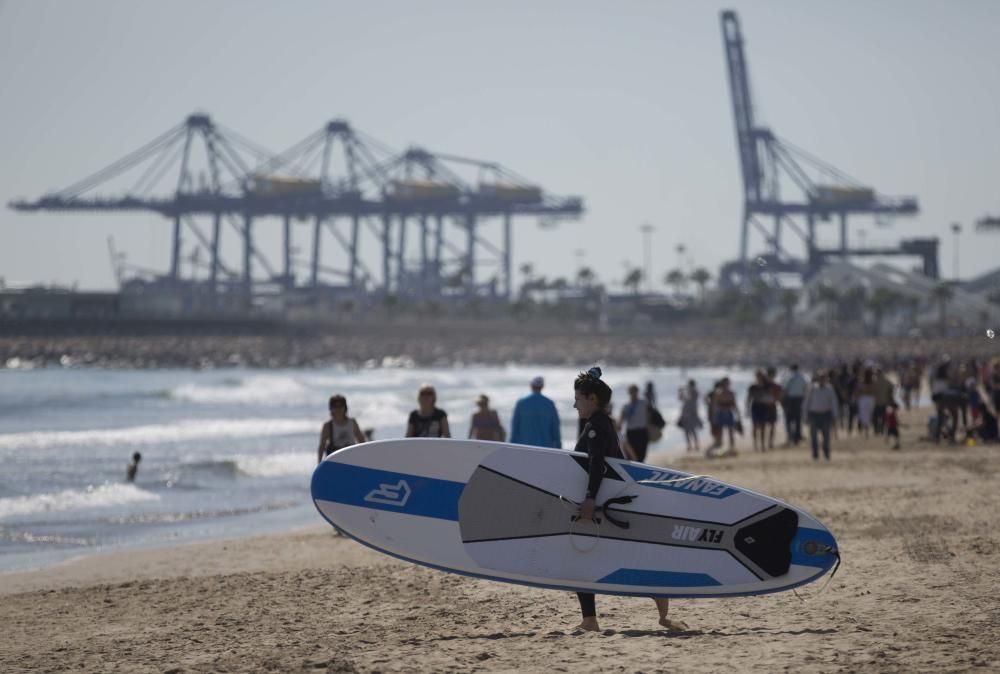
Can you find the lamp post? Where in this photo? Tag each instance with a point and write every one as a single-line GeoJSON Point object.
{"type": "Point", "coordinates": [647, 235]}
{"type": "Point", "coordinates": [956, 229]}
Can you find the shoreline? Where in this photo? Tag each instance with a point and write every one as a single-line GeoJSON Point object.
{"type": "Point", "coordinates": [915, 592]}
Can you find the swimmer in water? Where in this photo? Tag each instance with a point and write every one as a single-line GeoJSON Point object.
{"type": "Point", "coordinates": [133, 467]}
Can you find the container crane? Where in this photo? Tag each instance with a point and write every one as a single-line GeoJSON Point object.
{"type": "Point", "coordinates": [768, 164]}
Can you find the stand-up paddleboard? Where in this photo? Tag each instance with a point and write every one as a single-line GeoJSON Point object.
{"type": "Point", "coordinates": [508, 513]}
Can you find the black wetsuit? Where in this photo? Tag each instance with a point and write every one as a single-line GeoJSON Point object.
{"type": "Point", "coordinates": [600, 441]}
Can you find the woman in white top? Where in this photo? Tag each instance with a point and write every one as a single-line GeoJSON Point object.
{"type": "Point", "coordinates": [340, 431]}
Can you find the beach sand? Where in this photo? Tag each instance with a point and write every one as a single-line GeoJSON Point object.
{"type": "Point", "coordinates": [916, 592]}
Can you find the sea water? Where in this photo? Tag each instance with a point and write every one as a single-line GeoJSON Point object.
{"type": "Point", "coordinates": [226, 453]}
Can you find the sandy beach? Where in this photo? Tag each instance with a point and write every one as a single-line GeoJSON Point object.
{"type": "Point", "coordinates": [916, 593]}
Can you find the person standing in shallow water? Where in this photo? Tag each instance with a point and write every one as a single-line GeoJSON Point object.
{"type": "Point", "coordinates": [340, 431]}
{"type": "Point", "coordinates": [133, 467]}
{"type": "Point", "coordinates": [427, 421]}
{"type": "Point", "coordinates": [600, 441]}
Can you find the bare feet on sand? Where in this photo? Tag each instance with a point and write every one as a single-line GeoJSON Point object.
{"type": "Point", "coordinates": [674, 625]}
{"type": "Point", "coordinates": [588, 625]}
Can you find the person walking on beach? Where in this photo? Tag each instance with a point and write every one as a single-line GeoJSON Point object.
{"type": "Point", "coordinates": [340, 431]}
{"type": "Point", "coordinates": [427, 421]}
{"type": "Point", "coordinates": [759, 401]}
{"type": "Point", "coordinates": [884, 394]}
{"type": "Point", "coordinates": [994, 384]}
{"type": "Point", "coordinates": [772, 407]}
{"type": "Point", "coordinates": [133, 467]}
{"type": "Point", "coordinates": [650, 394]}
{"type": "Point", "coordinates": [864, 396]}
{"type": "Point", "coordinates": [726, 413]}
{"type": "Point", "coordinates": [689, 421]}
{"type": "Point", "coordinates": [821, 408]}
{"type": "Point", "coordinates": [791, 402]}
{"type": "Point", "coordinates": [485, 424]}
{"type": "Point", "coordinates": [891, 420]}
{"type": "Point", "coordinates": [600, 441]}
{"type": "Point", "coordinates": [634, 418]}
{"type": "Point", "coordinates": [536, 421]}
{"type": "Point", "coordinates": [713, 425]}
{"type": "Point", "coordinates": [909, 380]}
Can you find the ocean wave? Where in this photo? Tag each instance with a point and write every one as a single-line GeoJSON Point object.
{"type": "Point", "coordinates": [175, 518]}
{"type": "Point", "coordinates": [278, 464]}
{"type": "Point", "coordinates": [180, 431]}
{"type": "Point", "coordinates": [265, 389]}
{"type": "Point", "coordinates": [74, 499]}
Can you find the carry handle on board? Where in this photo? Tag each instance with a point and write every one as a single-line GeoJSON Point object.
{"type": "Point", "coordinates": [620, 500]}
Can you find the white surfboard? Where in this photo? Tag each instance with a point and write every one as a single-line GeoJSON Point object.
{"type": "Point", "coordinates": [507, 512]}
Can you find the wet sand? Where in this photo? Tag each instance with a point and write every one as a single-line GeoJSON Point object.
{"type": "Point", "coordinates": [916, 593]}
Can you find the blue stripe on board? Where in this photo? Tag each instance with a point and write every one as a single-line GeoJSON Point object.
{"type": "Point", "coordinates": [818, 536]}
{"type": "Point", "coordinates": [665, 479]}
{"type": "Point", "coordinates": [385, 490]}
{"type": "Point", "coordinates": [648, 578]}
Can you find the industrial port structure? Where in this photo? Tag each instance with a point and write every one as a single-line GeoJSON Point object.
{"type": "Point", "coordinates": [343, 183]}
{"type": "Point", "coordinates": [770, 166]}
{"type": "Point", "coordinates": [429, 214]}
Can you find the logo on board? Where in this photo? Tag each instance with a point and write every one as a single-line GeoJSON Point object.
{"type": "Point", "coordinates": [390, 494]}
{"type": "Point", "coordinates": [698, 534]}
{"type": "Point", "coordinates": [691, 484]}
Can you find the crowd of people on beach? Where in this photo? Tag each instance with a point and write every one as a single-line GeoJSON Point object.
{"type": "Point", "coordinates": [862, 397]}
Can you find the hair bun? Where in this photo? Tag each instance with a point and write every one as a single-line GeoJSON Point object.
{"type": "Point", "coordinates": [595, 372]}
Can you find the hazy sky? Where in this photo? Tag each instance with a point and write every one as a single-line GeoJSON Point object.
{"type": "Point", "coordinates": [623, 103]}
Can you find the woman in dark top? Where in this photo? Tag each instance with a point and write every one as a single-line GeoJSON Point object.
{"type": "Point", "coordinates": [427, 421]}
{"type": "Point", "coordinates": [600, 441]}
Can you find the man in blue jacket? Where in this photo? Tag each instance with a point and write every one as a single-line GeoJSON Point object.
{"type": "Point", "coordinates": [536, 421]}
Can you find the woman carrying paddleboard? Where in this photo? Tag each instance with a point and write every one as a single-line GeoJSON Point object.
{"type": "Point", "coordinates": [599, 441]}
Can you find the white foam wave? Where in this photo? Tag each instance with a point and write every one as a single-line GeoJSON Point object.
{"type": "Point", "coordinates": [181, 431]}
{"type": "Point", "coordinates": [276, 465]}
{"type": "Point", "coordinates": [265, 389]}
{"type": "Point", "coordinates": [74, 499]}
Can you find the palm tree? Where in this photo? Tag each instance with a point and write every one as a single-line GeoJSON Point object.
{"type": "Point", "coordinates": [943, 294]}
{"type": "Point", "coordinates": [585, 277]}
{"type": "Point", "coordinates": [677, 279]}
{"type": "Point", "coordinates": [882, 301]}
{"type": "Point", "coordinates": [632, 280]}
{"type": "Point", "coordinates": [701, 277]}
{"type": "Point", "coordinates": [527, 273]}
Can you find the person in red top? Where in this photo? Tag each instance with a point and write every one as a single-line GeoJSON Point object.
{"type": "Point", "coordinates": [891, 424]}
